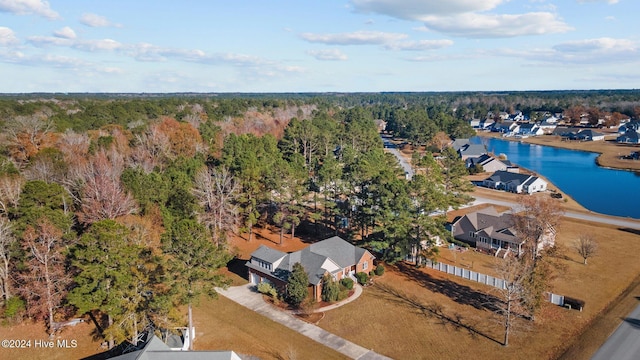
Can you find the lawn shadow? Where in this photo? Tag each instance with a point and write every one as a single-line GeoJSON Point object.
{"type": "Point", "coordinates": [635, 323]}
{"type": "Point", "coordinates": [461, 294]}
{"type": "Point", "coordinates": [238, 267]}
{"type": "Point", "coordinates": [433, 310]}
{"type": "Point", "coordinates": [630, 230]}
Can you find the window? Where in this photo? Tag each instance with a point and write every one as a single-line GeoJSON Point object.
{"type": "Point", "coordinates": [365, 265]}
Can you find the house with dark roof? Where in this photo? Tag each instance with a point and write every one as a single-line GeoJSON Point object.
{"type": "Point", "coordinates": [333, 256]}
{"type": "Point", "coordinates": [489, 163]}
{"type": "Point", "coordinates": [515, 182]}
{"type": "Point", "coordinates": [471, 150]}
{"type": "Point", "coordinates": [487, 229]}
{"type": "Point", "coordinates": [630, 137]}
{"type": "Point", "coordinates": [529, 129]}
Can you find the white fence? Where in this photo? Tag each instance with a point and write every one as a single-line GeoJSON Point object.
{"type": "Point", "coordinates": [485, 279]}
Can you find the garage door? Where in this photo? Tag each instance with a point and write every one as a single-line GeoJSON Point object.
{"type": "Point", "coordinates": [255, 278]}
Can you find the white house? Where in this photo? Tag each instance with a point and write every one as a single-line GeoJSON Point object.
{"type": "Point", "coordinates": [515, 182]}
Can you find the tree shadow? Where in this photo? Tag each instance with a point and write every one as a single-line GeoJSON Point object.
{"type": "Point", "coordinates": [238, 267]}
{"type": "Point", "coordinates": [461, 294]}
{"type": "Point", "coordinates": [635, 323]}
{"type": "Point", "coordinates": [434, 311]}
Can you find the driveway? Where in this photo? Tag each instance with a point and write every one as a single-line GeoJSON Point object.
{"type": "Point", "coordinates": [245, 296]}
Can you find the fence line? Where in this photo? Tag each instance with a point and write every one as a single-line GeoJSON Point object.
{"type": "Point", "coordinates": [485, 279]}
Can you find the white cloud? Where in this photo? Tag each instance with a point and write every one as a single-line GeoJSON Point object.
{"type": "Point", "coordinates": [353, 38]}
{"type": "Point", "coordinates": [7, 36]}
{"type": "Point", "coordinates": [65, 33]}
{"type": "Point", "coordinates": [97, 45]}
{"type": "Point", "coordinates": [466, 18]}
{"type": "Point", "coordinates": [329, 54]}
{"type": "Point", "coordinates": [94, 20]}
{"type": "Point", "coordinates": [610, 2]}
{"type": "Point", "coordinates": [28, 7]}
{"type": "Point", "coordinates": [610, 18]}
{"type": "Point", "coordinates": [419, 45]}
{"type": "Point", "coordinates": [604, 51]}
{"type": "Point", "coordinates": [473, 25]}
{"type": "Point", "coordinates": [598, 45]}
{"type": "Point", "coordinates": [417, 9]}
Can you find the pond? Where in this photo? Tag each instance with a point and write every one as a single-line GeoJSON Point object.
{"type": "Point", "coordinates": [606, 191]}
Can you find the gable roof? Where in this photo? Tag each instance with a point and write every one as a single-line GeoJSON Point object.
{"type": "Point", "coordinates": [472, 150]}
{"type": "Point", "coordinates": [329, 255]}
{"type": "Point", "coordinates": [458, 143]}
{"type": "Point", "coordinates": [492, 224]}
{"type": "Point", "coordinates": [509, 177]}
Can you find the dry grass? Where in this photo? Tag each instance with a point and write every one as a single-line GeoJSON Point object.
{"type": "Point", "coordinates": [223, 324]}
{"type": "Point", "coordinates": [427, 314]}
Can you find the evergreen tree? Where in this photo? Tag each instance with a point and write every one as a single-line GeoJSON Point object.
{"type": "Point", "coordinates": [297, 285]}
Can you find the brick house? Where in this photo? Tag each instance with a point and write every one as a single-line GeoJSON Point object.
{"type": "Point", "coordinates": [333, 256]}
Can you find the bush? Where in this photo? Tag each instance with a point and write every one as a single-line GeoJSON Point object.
{"type": "Point", "coordinates": [379, 270]}
{"type": "Point", "coordinates": [267, 289]}
{"type": "Point", "coordinates": [347, 283]}
{"type": "Point", "coordinates": [14, 307]}
{"type": "Point", "coordinates": [362, 277]}
{"type": "Point", "coordinates": [330, 289]}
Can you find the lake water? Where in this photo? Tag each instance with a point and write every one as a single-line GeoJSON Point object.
{"type": "Point", "coordinates": [607, 191]}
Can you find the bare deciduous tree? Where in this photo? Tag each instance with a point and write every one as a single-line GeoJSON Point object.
{"type": "Point", "coordinates": [45, 282]}
{"type": "Point", "coordinates": [586, 246]}
{"type": "Point", "coordinates": [10, 189]}
{"type": "Point", "coordinates": [216, 191]}
{"type": "Point", "coordinates": [6, 242]}
{"type": "Point", "coordinates": [536, 224]}
{"type": "Point", "coordinates": [101, 195]}
{"type": "Point", "coordinates": [509, 301]}
{"type": "Point", "coordinates": [27, 134]}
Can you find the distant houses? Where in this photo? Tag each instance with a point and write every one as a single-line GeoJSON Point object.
{"type": "Point", "coordinates": [629, 133]}
{"type": "Point", "coordinates": [515, 182]}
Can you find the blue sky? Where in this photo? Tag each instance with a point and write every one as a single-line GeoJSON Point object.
{"type": "Point", "coordinates": [318, 46]}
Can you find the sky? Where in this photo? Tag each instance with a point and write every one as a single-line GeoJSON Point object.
{"type": "Point", "coordinates": [159, 46]}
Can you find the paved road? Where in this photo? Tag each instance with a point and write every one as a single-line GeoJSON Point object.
{"type": "Point", "coordinates": [406, 166]}
{"type": "Point", "coordinates": [245, 296]}
{"type": "Point", "coordinates": [624, 343]}
{"type": "Point", "coordinates": [626, 223]}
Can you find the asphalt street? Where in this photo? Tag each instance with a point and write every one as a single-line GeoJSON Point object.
{"type": "Point", "coordinates": [624, 343]}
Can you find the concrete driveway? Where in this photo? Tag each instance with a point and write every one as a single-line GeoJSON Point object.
{"type": "Point", "coordinates": [247, 297]}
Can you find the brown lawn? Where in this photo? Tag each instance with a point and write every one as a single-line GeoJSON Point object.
{"type": "Point", "coordinates": [421, 313]}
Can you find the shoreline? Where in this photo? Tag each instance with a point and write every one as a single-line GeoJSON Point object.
{"type": "Point", "coordinates": [606, 151]}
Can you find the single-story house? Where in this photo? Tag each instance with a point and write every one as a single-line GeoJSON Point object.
{"type": "Point", "coordinates": [459, 143]}
{"type": "Point", "coordinates": [630, 137]}
{"type": "Point", "coordinates": [333, 256]}
{"type": "Point", "coordinates": [472, 150]}
{"type": "Point", "coordinates": [548, 127]}
{"type": "Point", "coordinates": [490, 230]}
{"type": "Point", "coordinates": [489, 163]}
{"type": "Point", "coordinates": [530, 129]}
{"type": "Point", "coordinates": [515, 182]}
{"type": "Point", "coordinates": [589, 135]}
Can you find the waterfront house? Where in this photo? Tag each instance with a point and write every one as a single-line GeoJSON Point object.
{"type": "Point", "coordinates": [487, 229]}
{"type": "Point", "coordinates": [489, 163]}
{"type": "Point", "coordinates": [333, 256]}
{"type": "Point", "coordinates": [471, 151]}
{"type": "Point", "coordinates": [515, 182]}
{"type": "Point", "coordinates": [529, 129]}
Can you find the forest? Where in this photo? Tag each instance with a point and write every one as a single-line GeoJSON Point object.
{"type": "Point", "coordinates": [120, 206]}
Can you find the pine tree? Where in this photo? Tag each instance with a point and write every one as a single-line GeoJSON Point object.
{"type": "Point", "coordinates": [297, 285]}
